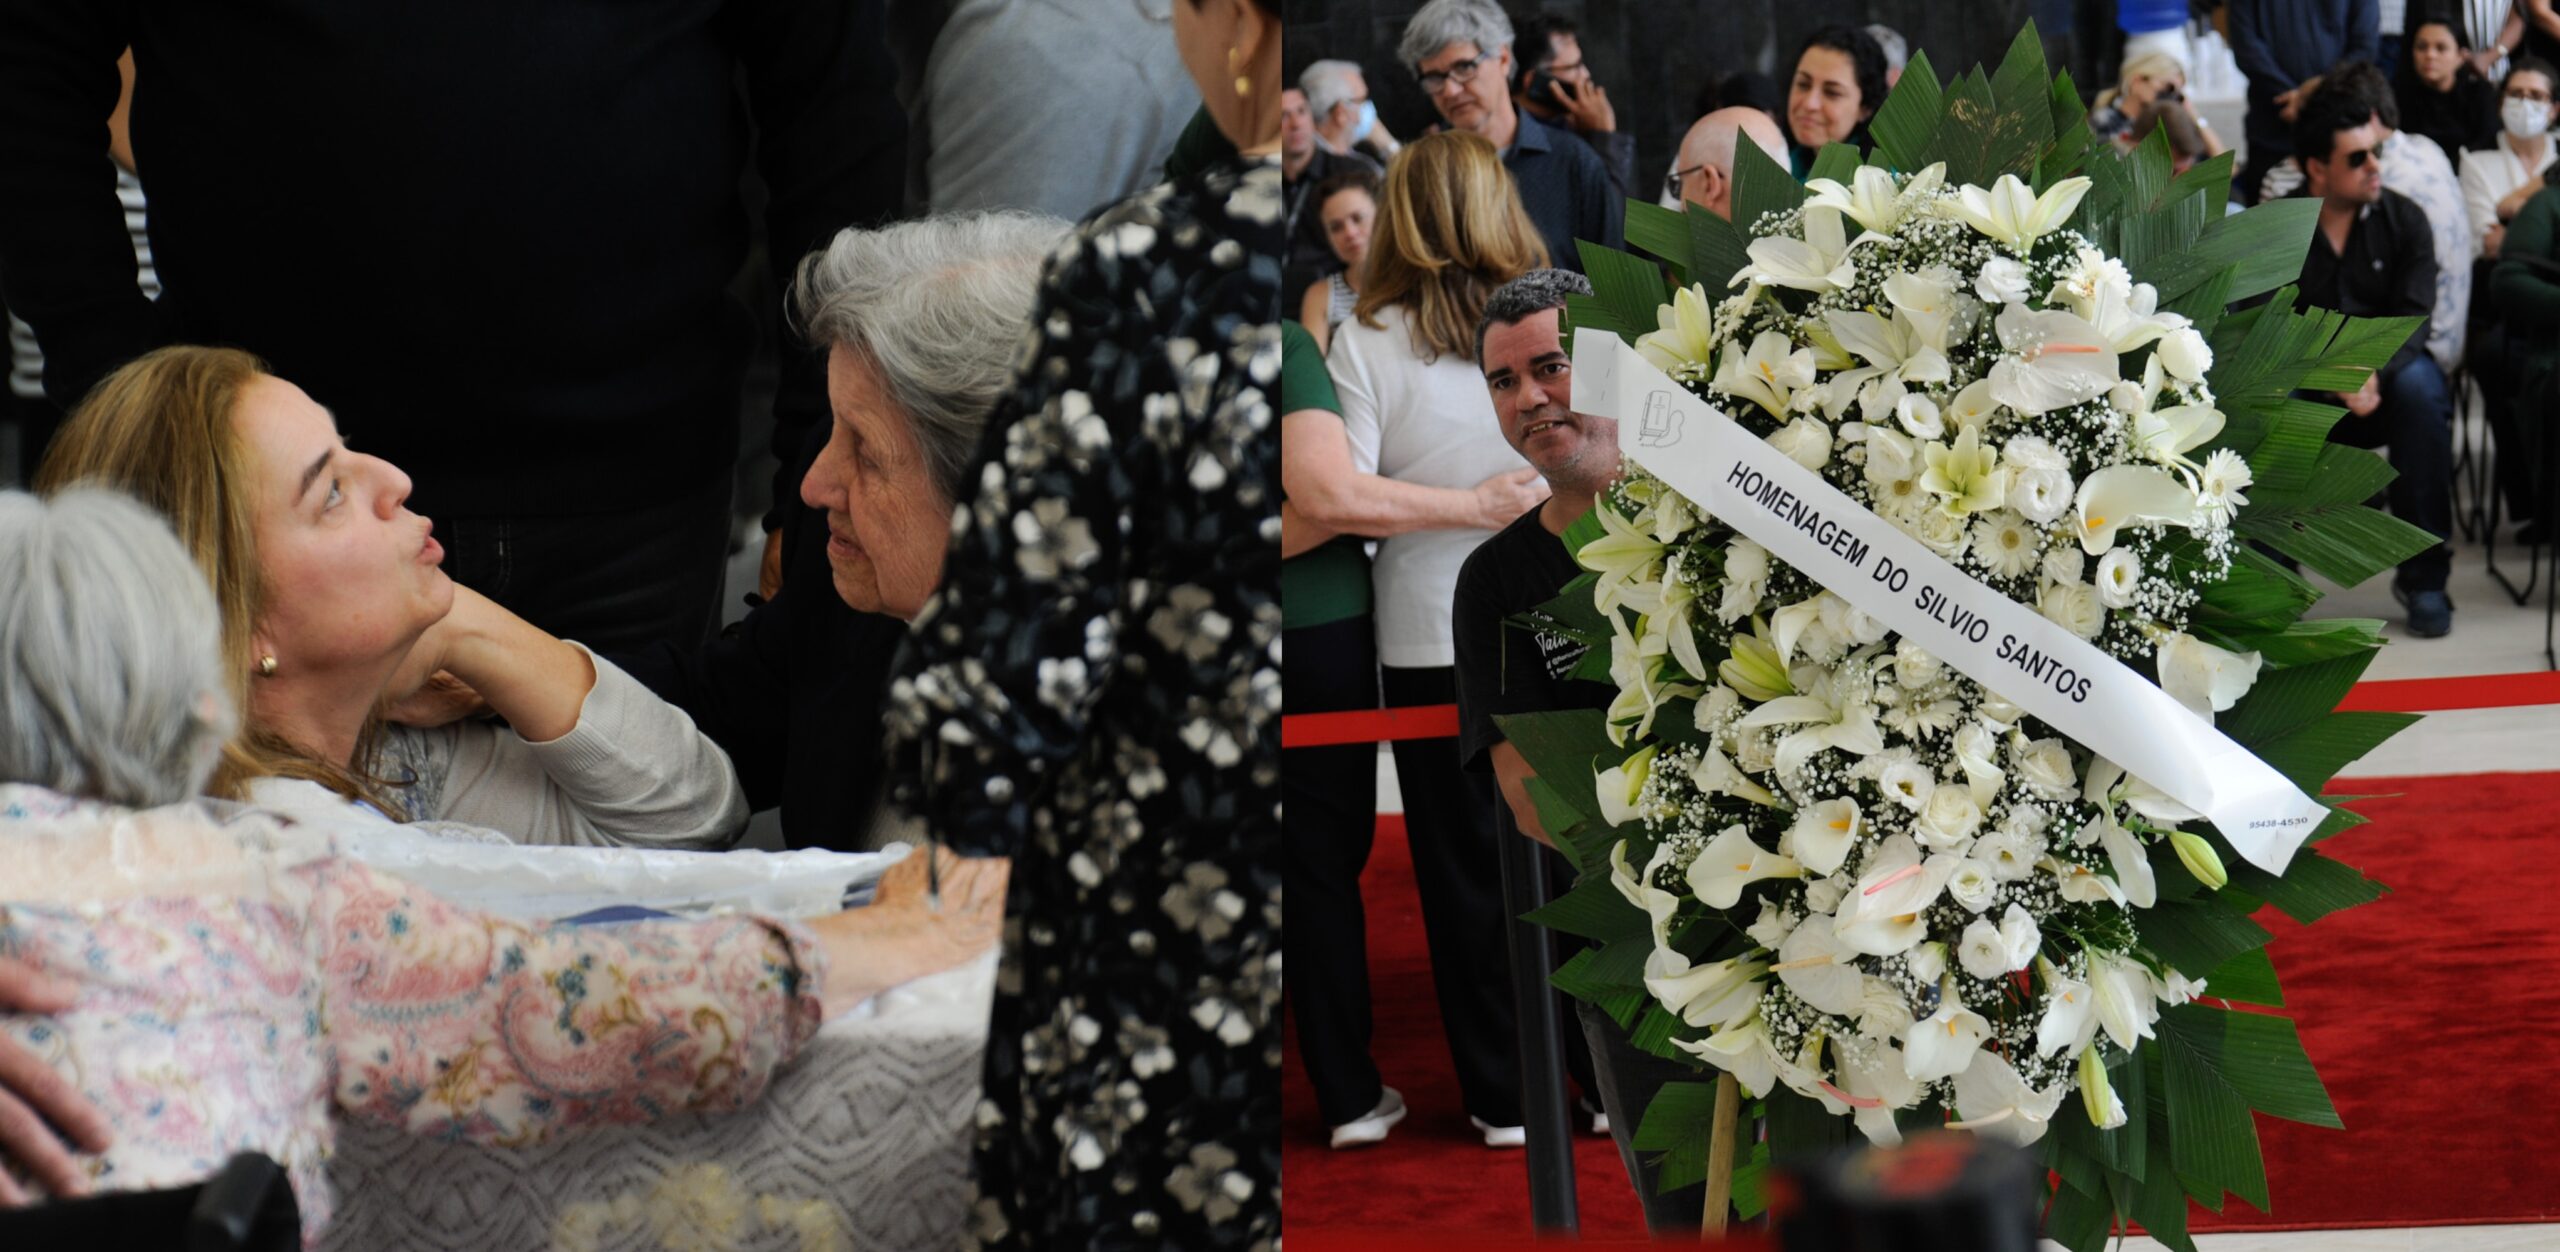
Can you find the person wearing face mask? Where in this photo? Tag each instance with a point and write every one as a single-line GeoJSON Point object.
{"type": "Point", "coordinates": [2443, 96]}
{"type": "Point", "coordinates": [2499, 178]}
{"type": "Point", "coordinates": [1346, 118]}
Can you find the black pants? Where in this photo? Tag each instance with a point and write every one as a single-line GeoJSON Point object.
{"type": "Point", "coordinates": [2416, 420]}
{"type": "Point", "coordinates": [1329, 803]}
{"type": "Point", "coordinates": [1629, 1079]}
{"type": "Point", "coordinates": [1449, 819]}
{"type": "Point", "coordinates": [615, 582]}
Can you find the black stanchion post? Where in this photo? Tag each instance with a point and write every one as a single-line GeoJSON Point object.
{"type": "Point", "coordinates": [1552, 1205]}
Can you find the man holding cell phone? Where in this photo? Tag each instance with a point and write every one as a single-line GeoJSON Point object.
{"type": "Point", "coordinates": [1553, 83]}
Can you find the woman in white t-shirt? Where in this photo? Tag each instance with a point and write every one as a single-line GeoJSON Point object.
{"type": "Point", "coordinates": [2497, 180]}
{"type": "Point", "coordinates": [1450, 229]}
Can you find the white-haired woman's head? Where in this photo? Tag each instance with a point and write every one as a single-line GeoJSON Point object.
{"type": "Point", "coordinates": [111, 686]}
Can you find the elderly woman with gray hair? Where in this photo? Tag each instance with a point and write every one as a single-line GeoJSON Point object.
{"type": "Point", "coordinates": [233, 979]}
{"type": "Point", "coordinates": [922, 324]}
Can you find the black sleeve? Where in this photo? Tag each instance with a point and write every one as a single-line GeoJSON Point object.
{"type": "Point", "coordinates": [65, 256]}
{"type": "Point", "coordinates": [831, 143]}
{"type": "Point", "coordinates": [737, 689]}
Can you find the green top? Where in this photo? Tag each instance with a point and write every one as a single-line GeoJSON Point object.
{"type": "Point", "coordinates": [1330, 583]}
{"type": "Point", "coordinates": [2528, 295]}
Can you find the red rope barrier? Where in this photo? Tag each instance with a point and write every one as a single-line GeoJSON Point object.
{"type": "Point", "coordinates": [2387, 695]}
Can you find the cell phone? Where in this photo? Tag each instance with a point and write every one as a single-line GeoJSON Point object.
{"type": "Point", "coordinates": [1542, 90]}
{"type": "Point", "coordinates": [2169, 93]}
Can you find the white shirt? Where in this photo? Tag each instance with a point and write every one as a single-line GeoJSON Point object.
{"type": "Point", "coordinates": [2492, 174]}
{"type": "Point", "coordinates": [1429, 424]}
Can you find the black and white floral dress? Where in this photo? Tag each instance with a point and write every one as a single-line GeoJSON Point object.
{"type": "Point", "coordinates": [1095, 692]}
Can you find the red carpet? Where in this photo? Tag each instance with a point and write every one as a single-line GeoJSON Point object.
{"type": "Point", "coordinates": [2430, 1013]}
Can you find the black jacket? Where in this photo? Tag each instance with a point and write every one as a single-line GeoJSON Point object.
{"type": "Point", "coordinates": [496, 237]}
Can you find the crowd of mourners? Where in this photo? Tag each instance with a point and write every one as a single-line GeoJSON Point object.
{"type": "Point", "coordinates": [1432, 456]}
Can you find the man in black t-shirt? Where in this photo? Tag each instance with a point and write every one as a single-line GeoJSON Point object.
{"type": "Point", "coordinates": [1502, 669]}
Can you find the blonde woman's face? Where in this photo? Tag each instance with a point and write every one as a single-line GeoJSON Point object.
{"type": "Point", "coordinates": [352, 576]}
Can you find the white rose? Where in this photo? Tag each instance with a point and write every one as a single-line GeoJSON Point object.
{"type": "Point", "coordinates": [1972, 884]}
{"type": "Point", "coordinates": [2045, 767]}
{"type": "Point", "coordinates": [2003, 281]}
{"type": "Point", "coordinates": [1823, 894]}
{"type": "Point", "coordinates": [2063, 563]}
{"type": "Point", "coordinates": [1848, 623]}
{"type": "Point", "coordinates": [1948, 819]}
{"type": "Point", "coordinates": [2074, 607]}
{"type": "Point", "coordinates": [1882, 1014]}
{"type": "Point", "coordinates": [2203, 677]}
{"type": "Point", "coordinates": [2128, 397]}
{"type": "Point", "coordinates": [1891, 457]}
{"type": "Point", "coordinates": [2119, 575]}
{"type": "Point", "coordinates": [1927, 961]}
{"type": "Point", "coordinates": [1773, 926]}
{"type": "Point", "coordinates": [1980, 952]}
{"type": "Point", "coordinates": [2008, 854]}
{"type": "Point", "coordinates": [1943, 532]}
{"type": "Point", "coordinates": [1913, 667]}
{"type": "Point", "coordinates": [2185, 355]}
{"type": "Point", "coordinates": [1805, 441]}
{"type": "Point", "coordinates": [2018, 934]}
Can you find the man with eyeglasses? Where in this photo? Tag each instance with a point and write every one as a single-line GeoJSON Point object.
{"type": "Point", "coordinates": [1553, 84]}
{"type": "Point", "coordinates": [2373, 255]}
{"type": "Point", "coordinates": [1460, 51]}
{"type": "Point", "coordinates": [1703, 174]}
{"type": "Point", "coordinates": [1346, 119]}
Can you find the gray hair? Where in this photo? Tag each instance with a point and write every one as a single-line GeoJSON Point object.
{"type": "Point", "coordinates": [1328, 83]}
{"type": "Point", "coordinates": [1444, 22]}
{"type": "Point", "coordinates": [940, 308]}
{"type": "Point", "coordinates": [1534, 292]}
{"type": "Point", "coordinates": [1897, 53]}
{"type": "Point", "coordinates": [111, 686]}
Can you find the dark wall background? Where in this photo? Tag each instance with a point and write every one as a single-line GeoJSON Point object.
{"type": "Point", "coordinates": [1654, 56]}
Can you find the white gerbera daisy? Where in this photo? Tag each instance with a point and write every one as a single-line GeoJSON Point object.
{"type": "Point", "coordinates": [2218, 488]}
{"type": "Point", "coordinates": [2006, 544]}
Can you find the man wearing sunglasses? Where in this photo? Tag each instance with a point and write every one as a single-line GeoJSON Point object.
{"type": "Point", "coordinates": [1460, 53]}
{"type": "Point", "coordinates": [2373, 255]}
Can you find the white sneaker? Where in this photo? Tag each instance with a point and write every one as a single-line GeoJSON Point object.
{"type": "Point", "coordinates": [1599, 1123]}
{"type": "Point", "coordinates": [1502, 1136]}
{"type": "Point", "coordinates": [1371, 1127]}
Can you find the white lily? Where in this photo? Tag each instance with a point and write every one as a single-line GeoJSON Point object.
{"type": "Point", "coordinates": [1994, 1101]}
{"type": "Point", "coordinates": [2012, 214]}
{"type": "Point", "coordinates": [1882, 915]}
{"type": "Point", "coordinates": [1746, 576]}
{"type": "Point", "coordinates": [1767, 373]}
{"type": "Point", "coordinates": [1742, 1051]}
{"type": "Point", "coordinates": [1899, 346]}
{"type": "Point", "coordinates": [1872, 200]}
{"type": "Point", "coordinates": [2132, 865]}
{"type": "Point", "coordinates": [1823, 834]}
{"type": "Point", "coordinates": [2069, 1020]}
{"type": "Point", "coordinates": [2050, 359]}
{"type": "Point", "coordinates": [1685, 344]}
{"type": "Point", "coordinates": [2200, 859]}
{"type": "Point", "coordinates": [2166, 435]}
{"type": "Point", "coordinates": [1829, 722]}
{"type": "Point", "coordinates": [1620, 785]}
{"type": "Point", "coordinates": [1722, 994]}
{"type": "Point", "coordinates": [1814, 965]}
{"type": "Point", "coordinates": [2080, 884]}
{"type": "Point", "coordinates": [2203, 677]}
{"type": "Point", "coordinates": [1818, 263]}
{"type": "Point", "coordinates": [2102, 292]}
{"type": "Point", "coordinates": [1971, 407]}
{"type": "Point", "coordinates": [1942, 1044]}
{"type": "Point", "coordinates": [1877, 1081]}
{"type": "Point", "coordinates": [2128, 998]}
{"type": "Point", "coordinates": [1635, 666]}
{"type": "Point", "coordinates": [2129, 495]}
{"type": "Point", "coordinates": [1658, 904]}
{"type": "Point", "coordinates": [2109, 784]}
{"type": "Point", "coordinates": [2097, 1096]}
{"type": "Point", "coordinates": [1622, 553]}
{"type": "Point", "coordinates": [1731, 862]}
{"type": "Point", "coordinates": [1929, 298]}
{"type": "Point", "coordinates": [1754, 670]}
{"type": "Point", "coordinates": [1966, 478]}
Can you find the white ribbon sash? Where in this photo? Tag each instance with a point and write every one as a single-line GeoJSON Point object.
{"type": "Point", "coordinates": [2028, 659]}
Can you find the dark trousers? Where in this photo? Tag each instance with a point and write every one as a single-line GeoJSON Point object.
{"type": "Point", "coordinates": [2495, 359]}
{"type": "Point", "coordinates": [615, 582]}
{"type": "Point", "coordinates": [1629, 1078]}
{"type": "Point", "coordinates": [1449, 820]}
{"type": "Point", "coordinates": [1329, 806]}
{"type": "Point", "coordinates": [2416, 420]}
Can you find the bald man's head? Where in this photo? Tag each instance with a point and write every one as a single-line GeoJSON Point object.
{"type": "Point", "coordinates": [1706, 155]}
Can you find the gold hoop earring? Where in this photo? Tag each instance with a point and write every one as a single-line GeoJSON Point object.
{"type": "Point", "coordinates": [267, 666]}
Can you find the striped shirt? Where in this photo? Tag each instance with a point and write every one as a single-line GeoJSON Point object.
{"type": "Point", "coordinates": [26, 360]}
